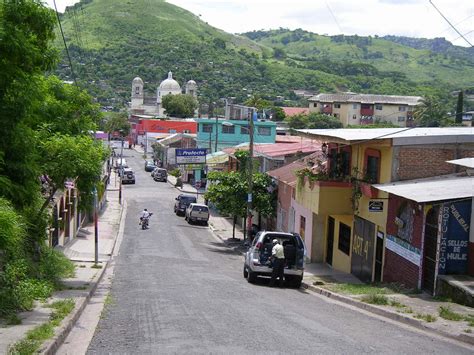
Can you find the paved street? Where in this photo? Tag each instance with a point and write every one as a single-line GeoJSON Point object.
{"type": "Point", "coordinates": [178, 289]}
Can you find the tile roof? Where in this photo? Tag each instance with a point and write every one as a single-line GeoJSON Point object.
{"type": "Point", "coordinates": [274, 150]}
{"type": "Point", "coordinates": [292, 111]}
{"type": "Point", "coordinates": [367, 98]}
{"type": "Point", "coordinates": [286, 173]}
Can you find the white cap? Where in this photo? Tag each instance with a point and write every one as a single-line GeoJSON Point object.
{"type": "Point", "coordinates": [275, 241]}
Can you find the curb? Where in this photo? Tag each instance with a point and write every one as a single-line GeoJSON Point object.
{"type": "Point", "coordinates": [387, 314]}
{"type": "Point", "coordinates": [52, 345]}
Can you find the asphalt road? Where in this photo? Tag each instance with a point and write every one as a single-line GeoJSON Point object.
{"type": "Point", "coordinates": [177, 289]}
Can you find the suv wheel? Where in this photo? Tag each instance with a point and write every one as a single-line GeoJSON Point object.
{"type": "Point", "coordinates": [296, 281]}
{"type": "Point", "coordinates": [246, 273]}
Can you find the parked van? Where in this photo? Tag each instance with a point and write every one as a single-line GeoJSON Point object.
{"type": "Point", "coordinates": [182, 202]}
{"type": "Point", "coordinates": [197, 212]}
{"type": "Point", "coordinates": [128, 176]}
{"type": "Point", "coordinates": [160, 174]}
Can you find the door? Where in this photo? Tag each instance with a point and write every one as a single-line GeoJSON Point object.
{"type": "Point", "coordinates": [330, 241]}
{"type": "Point", "coordinates": [55, 236]}
{"type": "Point", "coordinates": [378, 257]}
{"type": "Point", "coordinates": [430, 252]}
{"type": "Point", "coordinates": [363, 249]}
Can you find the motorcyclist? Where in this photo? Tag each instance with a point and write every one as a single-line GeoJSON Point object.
{"type": "Point", "coordinates": [144, 217]}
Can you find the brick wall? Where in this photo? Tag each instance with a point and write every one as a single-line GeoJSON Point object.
{"type": "Point", "coordinates": [394, 203]}
{"type": "Point", "coordinates": [416, 162]}
{"type": "Point", "coordinates": [398, 269]}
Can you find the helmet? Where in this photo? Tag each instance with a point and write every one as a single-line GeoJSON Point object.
{"type": "Point", "coordinates": [275, 241]}
{"type": "Point", "coordinates": [145, 209]}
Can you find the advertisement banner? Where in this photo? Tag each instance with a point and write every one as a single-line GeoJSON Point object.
{"type": "Point", "coordinates": [191, 156]}
{"type": "Point", "coordinates": [454, 239]}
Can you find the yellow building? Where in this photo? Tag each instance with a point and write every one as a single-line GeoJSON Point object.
{"type": "Point", "coordinates": [360, 109]}
{"type": "Point", "coordinates": [349, 214]}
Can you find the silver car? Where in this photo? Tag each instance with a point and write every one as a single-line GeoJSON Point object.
{"type": "Point", "coordinates": [257, 259]}
{"type": "Point", "coordinates": [197, 212]}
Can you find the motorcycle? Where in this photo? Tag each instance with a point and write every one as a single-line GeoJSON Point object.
{"type": "Point", "coordinates": [145, 221]}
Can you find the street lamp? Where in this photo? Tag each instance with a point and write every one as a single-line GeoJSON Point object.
{"type": "Point", "coordinates": [250, 176]}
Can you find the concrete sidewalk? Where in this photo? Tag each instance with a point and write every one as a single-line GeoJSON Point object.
{"type": "Point", "coordinates": [79, 288]}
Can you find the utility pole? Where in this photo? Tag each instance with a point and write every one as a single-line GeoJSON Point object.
{"type": "Point", "coordinates": [121, 170]}
{"type": "Point", "coordinates": [217, 133]}
{"type": "Point", "coordinates": [250, 177]}
{"type": "Point", "coordinates": [96, 228]}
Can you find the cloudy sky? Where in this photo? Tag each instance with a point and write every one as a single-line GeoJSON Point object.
{"type": "Point", "coordinates": [413, 18]}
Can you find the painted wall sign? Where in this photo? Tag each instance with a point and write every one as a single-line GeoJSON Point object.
{"type": "Point", "coordinates": [403, 249]}
{"type": "Point", "coordinates": [191, 156]}
{"type": "Point", "coordinates": [375, 206]}
{"type": "Point", "coordinates": [453, 249]}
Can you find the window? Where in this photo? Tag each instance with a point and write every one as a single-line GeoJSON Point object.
{"type": "Point", "coordinates": [401, 118]}
{"type": "Point", "coordinates": [206, 127]}
{"type": "Point", "coordinates": [336, 115]}
{"type": "Point", "coordinates": [244, 129]}
{"type": "Point", "coordinates": [402, 108]}
{"type": "Point", "coordinates": [372, 165]}
{"type": "Point", "coordinates": [337, 105]}
{"type": "Point", "coordinates": [186, 131]}
{"type": "Point", "coordinates": [354, 117]}
{"type": "Point", "coordinates": [264, 131]}
{"type": "Point", "coordinates": [137, 90]}
{"type": "Point", "coordinates": [228, 129]}
{"type": "Point", "coordinates": [378, 107]}
{"type": "Point", "coordinates": [355, 106]}
{"type": "Point", "coordinates": [315, 105]}
{"type": "Point", "coordinates": [344, 244]}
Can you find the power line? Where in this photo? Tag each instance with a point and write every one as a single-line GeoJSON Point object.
{"type": "Point", "coordinates": [65, 45]}
{"type": "Point", "coordinates": [454, 28]}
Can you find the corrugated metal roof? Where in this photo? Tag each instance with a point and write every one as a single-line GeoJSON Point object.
{"type": "Point", "coordinates": [273, 150]}
{"type": "Point", "coordinates": [440, 188]}
{"type": "Point", "coordinates": [467, 162]}
{"type": "Point", "coordinates": [399, 136]}
{"type": "Point", "coordinates": [367, 99]}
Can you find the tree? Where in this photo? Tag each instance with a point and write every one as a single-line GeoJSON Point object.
{"type": "Point", "coordinates": [459, 107]}
{"type": "Point", "coordinates": [179, 105]}
{"type": "Point", "coordinates": [430, 113]}
{"type": "Point", "coordinates": [319, 120]}
{"type": "Point", "coordinates": [77, 158]}
{"type": "Point", "coordinates": [298, 121]}
{"type": "Point", "coordinates": [116, 122]}
{"type": "Point", "coordinates": [278, 114]}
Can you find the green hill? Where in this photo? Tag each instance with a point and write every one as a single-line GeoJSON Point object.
{"type": "Point", "coordinates": [112, 41]}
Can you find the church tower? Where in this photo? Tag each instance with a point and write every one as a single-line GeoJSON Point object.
{"type": "Point", "coordinates": [137, 93]}
{"type": "Point", "coordinates": [191, 88]}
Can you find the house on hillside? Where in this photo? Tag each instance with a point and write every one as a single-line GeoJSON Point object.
{"type": "Point", "coordinates": [356, 219]}
{"type": "Point", "coordinates": [362, 109]}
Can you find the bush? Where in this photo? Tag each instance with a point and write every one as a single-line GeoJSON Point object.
{"type": "Point", "coordinates": [54, 266]}
{"type": "Point", "coordinates": [175, 172]}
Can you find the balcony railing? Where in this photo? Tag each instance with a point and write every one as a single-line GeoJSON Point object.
{"type": "Point", "coordinates": [367, 110]}
{"type": "Point", "coordinates": [327, 109]}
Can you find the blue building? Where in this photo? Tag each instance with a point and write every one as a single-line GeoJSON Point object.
{"type": "Point", "coordinates": [216, 134]}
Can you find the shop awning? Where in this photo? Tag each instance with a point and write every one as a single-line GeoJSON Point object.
{"type": "Point", "coordinates": [440, 188]}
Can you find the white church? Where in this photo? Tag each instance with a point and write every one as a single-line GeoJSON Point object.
{"type": "Point", "coordinates": [141, 105]}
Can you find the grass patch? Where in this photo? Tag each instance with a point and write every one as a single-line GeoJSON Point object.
{"type": "Point", "coordinates": [447, 313]}
{"type": "Point", "coordinates": [380, 300]}
{"type": "Point", "coordinates": [364, 289]}
{"type": "Point", "coordinates": [396, 304]}
{"type": "Point", "coordinates": [82, 266]}
{"type": "Point", "coordinates": [468, 330]}
{"type": "Point", "coordinates": [469, 319]}
{"type": "Point", "coordinates": [109, 300]}
{"type": "Point", "coordinates": [35, 337]}
{"type": "Point", "coordinates": [96, 266]}
{"type": "Point", "coordinates": [443, 299]}
{"type": "Point", "coordinates": [426, 317]}
{"type": "Point", "coordinates": [12, 319]}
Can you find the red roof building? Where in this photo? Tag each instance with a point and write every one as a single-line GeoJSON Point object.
{"type": "Point", "coordinates": [293, 111]}
{"type": "Point", "coordinates": [165, 126]}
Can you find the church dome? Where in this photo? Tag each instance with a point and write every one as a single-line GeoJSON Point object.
{"type": "Point", "coordinates": [138, 80]}
{"type": "Point", "coordinates": [170, 84]}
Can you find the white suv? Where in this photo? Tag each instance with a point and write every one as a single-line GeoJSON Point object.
{"type": "Point", "coordinates": [257, 258]}
{"type": "Point", "coordinates": [197, 212]}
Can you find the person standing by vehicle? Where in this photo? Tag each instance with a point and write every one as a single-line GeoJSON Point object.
{"type": "Point", "coordinates": [278, 263]}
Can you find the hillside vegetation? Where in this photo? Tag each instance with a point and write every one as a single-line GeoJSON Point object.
{"type": "Point", "coordinates": [112, 41]}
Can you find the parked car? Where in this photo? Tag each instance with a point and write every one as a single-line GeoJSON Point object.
{"type": "Point", "coordinates": [257, 259]}
{"type": "Point", "coordinates": [149, 166]}
{"type": "Point", "coordinates": [128, 176]}
{"type": "Point", "coordinates": [160, 174]}
{"type": "Point", "coordinates": [182, 202]}
{"type": "Point", "coordinates": [197, 212]}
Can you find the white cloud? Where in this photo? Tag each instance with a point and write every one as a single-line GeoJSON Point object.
{"type": "Point", "coordinates": [414, 18]}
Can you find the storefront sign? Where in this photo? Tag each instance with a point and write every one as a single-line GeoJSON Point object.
{"type": "Point", "coordinates": [375, 206]}
{"type": "Point", "coordinates": [403, 249]}
{"type": "Point", "coordinates": [191, 156]}
{"type": "Point", "coordinates": [453, 249]}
